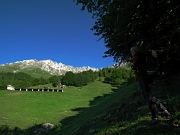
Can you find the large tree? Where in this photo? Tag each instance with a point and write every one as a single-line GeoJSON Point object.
{"type": "Point", "coordinates": [150, 24]}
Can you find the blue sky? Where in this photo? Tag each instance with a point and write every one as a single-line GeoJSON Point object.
{"type": "Point", "coordinates": [49, 29]}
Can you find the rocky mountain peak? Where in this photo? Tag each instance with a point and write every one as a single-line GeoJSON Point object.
{"type": "Point", "coordinates": [47, 65]}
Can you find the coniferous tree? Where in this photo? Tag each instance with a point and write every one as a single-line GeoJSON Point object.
{"type": "Point", "coordinates": [68, 78]}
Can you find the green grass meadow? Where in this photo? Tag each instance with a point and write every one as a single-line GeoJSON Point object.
{"type": "Point", "coordinates": [25, 109]}
{"type": "Point", "coordinates": [95, 109]}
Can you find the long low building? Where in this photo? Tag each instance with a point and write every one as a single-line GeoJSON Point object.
{"type": "Point", "coordinates": [10, 87]}
{"type": "Point", "coordinates": [35, 89]}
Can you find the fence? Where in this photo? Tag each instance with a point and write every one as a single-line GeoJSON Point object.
{"type": "Point", "coordinates": [36, 89]}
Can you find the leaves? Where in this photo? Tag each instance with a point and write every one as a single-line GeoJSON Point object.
{"type": "Point", "coordinates": [79, 79]}
{"type": "Point", "coordinates": [150, 24]}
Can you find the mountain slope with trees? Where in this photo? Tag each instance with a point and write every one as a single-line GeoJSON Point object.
{"type": "Point", "coordinates": [122, 112]}
{"type": "Point", "coordinates": [22, 80]}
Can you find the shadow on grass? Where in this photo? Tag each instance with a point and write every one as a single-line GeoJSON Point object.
{"type": "Point", "coordinates": [144, 127]}
{"type": "Point", "coordinates": [105, 112]}
{"type": "Point", "coordinates": [69, 124]}
{"type": "Point", "coordinates": [97, 106]}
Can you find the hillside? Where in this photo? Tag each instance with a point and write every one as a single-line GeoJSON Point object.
{"type": "Point", "coordinates": [46, 68]}
{"type": "Point", "coordinates": [122, 112]}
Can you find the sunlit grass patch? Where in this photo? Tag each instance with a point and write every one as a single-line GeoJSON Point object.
{"type": "Point", "coordinates": [24, 109]}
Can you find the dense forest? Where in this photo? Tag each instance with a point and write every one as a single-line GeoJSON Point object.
{"type": "Point", "coordinates": [21, 80]}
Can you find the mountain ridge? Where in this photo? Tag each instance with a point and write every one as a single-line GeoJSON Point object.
{"type": "Point", "coordinates": [50, 66]}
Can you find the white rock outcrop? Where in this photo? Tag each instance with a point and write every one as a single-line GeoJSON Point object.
{"type": "Point", "coordinates": [50, 66]}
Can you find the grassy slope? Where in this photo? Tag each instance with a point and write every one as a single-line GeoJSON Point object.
{"type": "Point", "coordinates": [121, 111]}
{"type": "Point", "coordinates": [24, 109]}
{"type": "Point", "coordinates": [34, 72]}
{"type": "Point", "coordinates": [124, 112]}
{"type": "Point", "coordinates": [90, 117]}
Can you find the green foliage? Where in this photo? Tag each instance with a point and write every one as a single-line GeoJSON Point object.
{"type": "Point", "coordinates": [126, 73]}
{"type": "Point", "coordinates": [33, 71]}
{"type": "Point", "coordinates": [116, 76]}
{"type": "Point", "coordinates": [117, 81]}
{"type": "Point", "coordinates": [150, 24]}
{"type": "Point", "coordinates": [68, 79]}
{"type": "Point", "coordinates": [23, 80]}
{"type": "Point", "coordinates": [4, 129]}
{"type": "Point", "coordinates": [20, 80]}
{"type": "Point", "coordinates": [35, 82]}
{"type": "Point", "coordinates": [55, 79]}
{"type": "Point", "coordinates": [15, 79]}
{"type": "Point", "coordinates": [100, 73]}
{"type": "Point", "coordinates": [79, 79]}
{"type": "Point", "coordinates": [3, 87]}
{"type": "Point", "coordinates": [55, 84]}
{"type": "Point", "coordinates": [107, 80]}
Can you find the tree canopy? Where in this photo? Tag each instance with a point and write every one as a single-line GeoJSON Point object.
{"type": "Point", "coordinates": [149, 24]}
